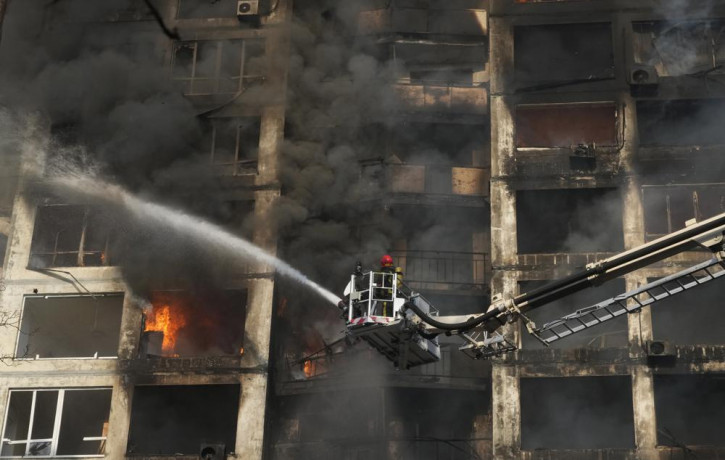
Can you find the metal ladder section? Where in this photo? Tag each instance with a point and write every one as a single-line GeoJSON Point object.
{"type": "Point", "coordinates": [631, 301]}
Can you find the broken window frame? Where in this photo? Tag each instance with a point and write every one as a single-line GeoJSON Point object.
{"type": "Point", "coordinates": [691, 189]}
{"type": "Point", "coordinates": [241, 165]}
{"type": "Point", "coordinates": [56, 424]}
{"type": "Point", "coordinates": [81, 252]}
{"type": "Point", "coordinates": [216, 78]}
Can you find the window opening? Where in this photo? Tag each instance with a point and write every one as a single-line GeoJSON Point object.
{"type": "Point", "coordinates": [70, 326]}
{"type": "Point", "coordinates": [65, 422]}
{"type": "Point", "coordinates": [70, 236]}
{"type": "Point", "coordinates": [218, 67]}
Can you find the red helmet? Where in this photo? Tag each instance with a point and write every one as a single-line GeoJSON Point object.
{"type": "Point", "coordinates": [386, 261]}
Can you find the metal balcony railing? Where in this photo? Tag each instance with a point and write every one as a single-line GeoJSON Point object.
{"type": "Point", "coordinates": [441, 269]}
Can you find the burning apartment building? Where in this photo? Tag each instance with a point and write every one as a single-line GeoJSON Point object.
{"type": "Point", "coordinates": [488, 146]}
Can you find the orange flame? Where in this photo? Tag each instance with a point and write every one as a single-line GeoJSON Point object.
{"type": "Point", "coordinates": [161, 319]}
{"type": "Point", "coordinates": [309, 368]}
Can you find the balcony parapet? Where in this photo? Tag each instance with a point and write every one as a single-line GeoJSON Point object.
{"type": "Point", "coordinates": [466, 22]}
{"type": "Point", "coordinates": [468, 100]}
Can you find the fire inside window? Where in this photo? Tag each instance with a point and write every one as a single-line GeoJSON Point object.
{"type": "Point", "coordinates": [69, 236]}
{"type": "Point", "coordinates": [218, 67]}
{"type": "Point", "coordinates": [182, 323]}
{"type": "Point", "coordinates": [65, 422]}
{"type": "Point", "coordinates": [667, 208]}
{"type": "Point", "coordinates": [233, 144]}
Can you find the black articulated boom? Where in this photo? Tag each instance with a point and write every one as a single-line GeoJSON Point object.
{"type": "Point", "coordinates": [404, 326]}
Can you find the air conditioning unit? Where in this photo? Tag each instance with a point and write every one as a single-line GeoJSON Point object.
{"type": "Point", "coordinates": [247, 8]}
{"type": "Point", "coordinates": [212, 451]}
{"type": "Point", "coordinates": [659, 349]}
{"type": "Point", "coordinates": [643, 75]}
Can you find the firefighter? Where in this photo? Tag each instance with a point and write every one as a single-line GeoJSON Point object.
{"type": "Point", "coordinates": [387, 266]}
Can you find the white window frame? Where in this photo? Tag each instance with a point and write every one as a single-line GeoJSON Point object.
{"type": "Point", "coordinates": [56, 424]}
{"type": "Point", "coordinates": [95, 356]}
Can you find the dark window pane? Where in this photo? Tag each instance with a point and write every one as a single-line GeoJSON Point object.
{"type": "Point", "coordinates": [18, 421]}
{"type": "Point", "coordinates": [172, 420]}
{"type": "Point", "coordinates": [190, 9]}
{"type": "Point", "coordinates": [65, 327]}
{"type": "Point", "coordinates": [225, 142]}
{"type": "Point", "coordinates": [690, 409]}
{"type": "Point", "coordinates": [576, 413]}
{"type": "Point", "coordinates": [85, 412]}
{"type": "Point", "coordinates": [206, 58]}
{"type": "Point", "coordinates": [46, 403]}
{"type": "Point", "coordinates": [231, 55]}
{"type": "Point", "coordinates": [183, 60]}
{"type": "Point", "coordinates": [681, 122]}
{"type": "Point", "coordinates": [577, 220]}
{"type": "Point", "coordinates": [563, 52]}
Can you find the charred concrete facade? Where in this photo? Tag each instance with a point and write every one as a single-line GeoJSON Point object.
{"type": "Point", "coordinates": [85, 376]}
{"type": "Point", "coordinates": [490, 146]}
{"type": "Point", "coordinates": [564, 76]}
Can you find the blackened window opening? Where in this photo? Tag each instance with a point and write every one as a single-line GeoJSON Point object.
{"type": "Point", "coordinates": [576, 413]}
{"type": "Point", "coordinates": [563, 53]}
{"type": "Point", "coordinates": [690, 409]}
{"type": "Point", "coordinates": [578, 220]}
{"type": "Point", "coordinates": [218, 67]}
{"type": "Point", "coordinates": [612, 333]}
{"type": "Point", "coordinates": [668, 208]}
{"type": "Point", "coordinates": [681, 122]}
{"type": "Point", "coordinates": [193, 9]}
{"type": "Point", "coordinates": [70, 236]}
{"type": "Point", "coordinates": [693, 317]}
{"type": "Point", "coordinates": [438, 143]}
{"type": "Point", "coordinates": [232, 144]}
{"type": "Point", "coordinates": [168, 420]}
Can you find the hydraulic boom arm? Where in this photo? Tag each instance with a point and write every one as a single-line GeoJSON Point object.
{"type": "Point", "coordinates": [403, 326]}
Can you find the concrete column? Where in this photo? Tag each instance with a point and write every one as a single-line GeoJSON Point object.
{"type": "Point", "coordinates": [120, 419]}
{"type": "Point", "coordinates": [251, 419]}
{"type": "Point", "coordinates": [506, 411]}
{"type": "Point", "coordinates": [645, 421]}
{"type": "Point", "coordinates": [639, 324]}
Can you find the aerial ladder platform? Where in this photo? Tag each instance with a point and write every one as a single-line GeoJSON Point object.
{"type": "Point", "coordinates": [403, 326]}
